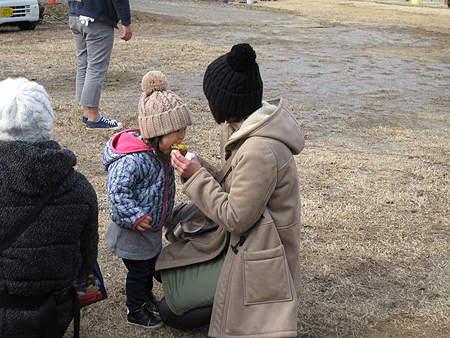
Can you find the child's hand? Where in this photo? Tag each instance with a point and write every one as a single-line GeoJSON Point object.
{"type": "Point", "coordinates": [144, 224]}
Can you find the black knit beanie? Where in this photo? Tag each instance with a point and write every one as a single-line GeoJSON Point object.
{"type": "Point", "coordinates": [232, 82]}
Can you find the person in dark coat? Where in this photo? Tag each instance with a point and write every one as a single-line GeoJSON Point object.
{"type": "Point", "coordinates": [61, 244]}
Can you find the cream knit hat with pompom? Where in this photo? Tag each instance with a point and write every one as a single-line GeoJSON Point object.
{"type": "Point", "coordinates": [161, 111]}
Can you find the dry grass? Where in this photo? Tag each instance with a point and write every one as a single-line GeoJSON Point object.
{"type": "Point", "coordinates": [375, 246]}
{"type": "Point", "coordinates": [367, 12]}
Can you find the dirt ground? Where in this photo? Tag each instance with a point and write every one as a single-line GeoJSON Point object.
{"type": "Point", "coordinates": [378, 13]}
{"type": "Point", "coordinates": [369, 83]}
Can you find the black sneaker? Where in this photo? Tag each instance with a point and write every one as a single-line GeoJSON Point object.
{"type": "Point", "coordinates": [142, 317]}
{"type": "Point", "coordinates": [152, 304]}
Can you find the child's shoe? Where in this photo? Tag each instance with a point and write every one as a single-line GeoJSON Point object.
{"type": "Point", "coordinates": [152, 303]}
{"type": "Point", "coordinates": [142, 317]}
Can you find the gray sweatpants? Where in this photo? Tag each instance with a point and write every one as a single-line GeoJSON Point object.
{"type": "Point", "coordinates": [94, 45]}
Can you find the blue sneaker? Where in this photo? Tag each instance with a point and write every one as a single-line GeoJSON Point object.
{"type": "Point", "coordinates": [103, 123]}
{"type": "Point", "coordinates": [85, 118]}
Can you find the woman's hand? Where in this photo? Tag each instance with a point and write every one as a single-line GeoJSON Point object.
{"type": "Point", "coordinates": [144, 224]}
{"type": "Point", "coordinates": [184, 167]}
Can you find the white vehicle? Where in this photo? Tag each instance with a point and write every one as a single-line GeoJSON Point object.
{"type": "Point", "coordinates": [21, 13]}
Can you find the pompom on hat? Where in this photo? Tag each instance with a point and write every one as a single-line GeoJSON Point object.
{"type": "Point", "coordinates": [26, 113]}
{"type": "Point", "coordinates": [232, 83]}
{"type": "Point", "coordinates": [161, 111]}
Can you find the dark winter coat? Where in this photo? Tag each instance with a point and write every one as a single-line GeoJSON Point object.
{"type": "Point", "coordinates": [57, 247]}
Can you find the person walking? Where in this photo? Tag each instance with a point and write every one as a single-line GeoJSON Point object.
{"type": "Point", "coordinates": [92, 23]}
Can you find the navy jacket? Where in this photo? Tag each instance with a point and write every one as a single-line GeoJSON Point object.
{"type": "Point", "coordinates": [109, 11]}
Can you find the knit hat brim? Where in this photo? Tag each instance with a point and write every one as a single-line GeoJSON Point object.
{"type": "Point", "coordinates": [165, 122]}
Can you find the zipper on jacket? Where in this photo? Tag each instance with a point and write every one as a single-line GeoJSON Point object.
{"type": "Point", "coordinates": [165, 195]}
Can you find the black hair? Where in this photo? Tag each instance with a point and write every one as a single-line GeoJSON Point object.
{"type": "Point", "coordinates": [221, 117]}
{"type": "Point", "coordinates": [154, 143]}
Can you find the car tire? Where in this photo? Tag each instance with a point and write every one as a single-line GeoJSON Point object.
{"type": "Point", "coordinates": [27, 25]}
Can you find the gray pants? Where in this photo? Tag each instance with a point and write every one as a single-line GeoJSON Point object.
{"type": "Point", "coordinates": [94, 45]}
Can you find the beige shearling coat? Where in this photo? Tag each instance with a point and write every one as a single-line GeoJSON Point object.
{"type": "Point", "coordinates": [257, 208]}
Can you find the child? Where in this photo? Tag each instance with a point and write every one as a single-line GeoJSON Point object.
{"type": "Point", "coordinates": [141, 190]}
